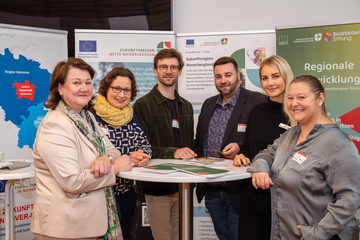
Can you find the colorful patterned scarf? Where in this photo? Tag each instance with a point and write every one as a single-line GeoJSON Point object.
{"type": "Point", "coordinates": [82, 122]}
{"type": "Point", "coordinates": [113, 116]}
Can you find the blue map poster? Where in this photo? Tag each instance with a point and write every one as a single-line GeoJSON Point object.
{"type": "Point", "coordinates": [27, 58]}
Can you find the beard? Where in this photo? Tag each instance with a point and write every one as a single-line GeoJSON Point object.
{"type": "Point", "coordinates": [168, 82]}
{"type": "Point", "coordinates": [231, 90]}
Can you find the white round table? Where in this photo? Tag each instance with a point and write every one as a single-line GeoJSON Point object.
{"type": "Point", "coordinates": [186, 181]}
{"type": "Point", "coordinates": [19, 176]}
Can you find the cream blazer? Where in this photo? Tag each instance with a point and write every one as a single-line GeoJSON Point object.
{"type": "Point", "coordinates": [69, 202]}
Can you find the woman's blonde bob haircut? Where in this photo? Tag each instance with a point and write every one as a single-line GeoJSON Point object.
{"type": "Point", "coordinates": [284, 69]}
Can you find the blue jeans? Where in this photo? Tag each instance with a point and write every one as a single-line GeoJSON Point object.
{"type": "Point", "coordinates": [225, 219]}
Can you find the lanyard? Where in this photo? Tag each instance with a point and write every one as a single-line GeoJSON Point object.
{"type": "Point", "coordinates": [97, 134]}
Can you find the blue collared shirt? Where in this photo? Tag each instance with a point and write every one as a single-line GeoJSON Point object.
{"type": "Point", "coordinates": [217, 125]}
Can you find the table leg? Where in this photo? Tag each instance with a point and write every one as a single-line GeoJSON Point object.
{"type": "Point", "coordinates": [9, 210]}
{"type": "Point", "coordinates": [186, 211]}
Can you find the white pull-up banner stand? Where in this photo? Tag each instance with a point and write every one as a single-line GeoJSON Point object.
{"type": "Point", "coordinates": [196, 83]}
{"type": "Point", "coordinates": [27, 58]}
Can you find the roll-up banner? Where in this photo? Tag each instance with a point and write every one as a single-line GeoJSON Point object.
{"type": "Point", "coordinates": [135, 50]}
{"type": "Point", "coordinates": [196, 83]}
{"type": "Point", "coordinates": [27, 58]}
{"type": "Point", "coordinates": [328, 53]}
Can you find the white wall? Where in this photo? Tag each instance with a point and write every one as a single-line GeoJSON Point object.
{"type": "Point", "coordinates": [195, 16]}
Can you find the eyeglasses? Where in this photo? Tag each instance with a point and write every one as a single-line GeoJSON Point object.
{"type": "Point", "coordinates": [173, 68]}
{"type": "Point", "coordinates": [118, 90]}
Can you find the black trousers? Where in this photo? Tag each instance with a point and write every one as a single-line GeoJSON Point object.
{"type": "Point", "coordinates": [127, 204]}
{"type": "Point", "coordinates": [255, 213]}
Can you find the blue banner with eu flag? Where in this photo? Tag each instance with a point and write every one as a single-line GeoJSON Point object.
{"type": "Point", "coordinates": [87, 46]}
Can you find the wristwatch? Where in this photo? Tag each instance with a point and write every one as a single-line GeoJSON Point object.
{"type": "Point", "coordinates": [111, 159]}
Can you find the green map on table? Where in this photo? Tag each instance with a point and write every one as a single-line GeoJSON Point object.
{"type": "Point", "coordinates": [203, 171]}
{"type": "Point", "coordinates": [161, 168]}
{"type": "Point", "coordinates": [193, 169]}
{"type": "Point", "coordinates": [207, 160]}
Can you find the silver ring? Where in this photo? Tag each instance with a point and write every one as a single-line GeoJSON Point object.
{"type": "Point", "coordinates": [257, 180]}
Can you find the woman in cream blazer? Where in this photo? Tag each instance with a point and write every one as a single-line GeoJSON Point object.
{"type": "Point", "coordinates": [70, 176]}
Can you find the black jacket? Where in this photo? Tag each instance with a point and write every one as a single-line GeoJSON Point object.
{"type": "Point", "coordinates": [246, 101]}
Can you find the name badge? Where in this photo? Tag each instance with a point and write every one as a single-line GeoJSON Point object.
{"type": "Point", "coordinates": [299, 157]}
{"type": "Point", "coordinates": [105, 130]}
{"type": "Point", "coordinates": [103, 139]}
{"type": "Point", "coordinates": [241, 128]}
{"type": "Point", "coordinates": [175, 123]}
{"type": "Point", "coordinates": [284, 126]}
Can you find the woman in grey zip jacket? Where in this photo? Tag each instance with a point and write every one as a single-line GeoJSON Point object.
{"type": "Point", "coordinates": [313, 169]}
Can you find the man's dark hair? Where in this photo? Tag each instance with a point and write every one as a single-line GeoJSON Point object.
{"type": "Point", "coordinates": [225, 60]}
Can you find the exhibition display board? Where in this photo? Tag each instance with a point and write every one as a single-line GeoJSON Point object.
{"type": "Point", "coordinates": [196, 82]}
{"type": "Point", "coordinates": [135, 50]}
{"type": "Point", "coordinates": [328, 53]}
{"type": "Point", "coordinates": [27, 58]}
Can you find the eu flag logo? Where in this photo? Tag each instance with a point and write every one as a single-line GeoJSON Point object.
{"type": "Point", "coordinates": [87, 46]}
{"type": "Point", "coordinates": [2, 185]}
{"type": "Point", "coordinates": [190, 41]}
